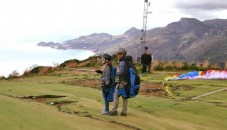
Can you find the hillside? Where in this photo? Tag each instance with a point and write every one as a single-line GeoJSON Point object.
{"type": "Point", "coordinates": [72, 100]}
{"type": "Point", "coordinates": [188, 39]}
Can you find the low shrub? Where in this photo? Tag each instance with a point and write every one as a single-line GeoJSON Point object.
{"type": "Point", "coordinates": [186, 66]}
{"type": "Point", "coordinates": [14, 74]}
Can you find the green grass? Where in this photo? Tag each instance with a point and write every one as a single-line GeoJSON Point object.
{"type": "Point", "coordinates": [144, 112]}
{"type": "Point", "coordinates": [24, 115]}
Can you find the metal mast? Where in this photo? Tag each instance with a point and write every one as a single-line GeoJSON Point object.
{"type": "Point", "coordinates": [144, 30]}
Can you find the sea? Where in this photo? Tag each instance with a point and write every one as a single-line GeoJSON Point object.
{"type": "Point", "coordinates": [21, 56]}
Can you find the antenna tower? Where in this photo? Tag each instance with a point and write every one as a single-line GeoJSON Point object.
{"type": "Point", "coordinates": [144, 30]}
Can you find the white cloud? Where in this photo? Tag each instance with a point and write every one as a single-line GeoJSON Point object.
{"type": "Point", "coordinates": [203, 10]}
{"type": "Point", "coordinates": [56, 19]}
{"type": "Point", "coordinates": [34, 17]}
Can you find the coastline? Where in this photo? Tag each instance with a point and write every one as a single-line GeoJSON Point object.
{"type": "Point", "coordinates": [20, 58]}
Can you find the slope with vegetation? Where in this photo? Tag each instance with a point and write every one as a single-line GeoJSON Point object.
{"type": "Point", "coordinates": [66, 97]}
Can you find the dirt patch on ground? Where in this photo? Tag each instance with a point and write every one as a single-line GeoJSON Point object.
{"type": "Point", "coordinates": [83, 82]}
{"type": "Point", "coordinates": [89, 83]}
{"type": "Point", "coordinates": [148, 89]}
{"type": "Point", "coordinates": [184, 87]}
{"type": "Point", "coordinates": [151, 89]}
{"type": "Point", "coordinates": [77, 71]}
{"type": "Point", "coordinates": [42, 98]}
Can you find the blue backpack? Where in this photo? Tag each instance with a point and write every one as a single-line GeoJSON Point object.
{"type": "Point", "coordinates": [134, 83]}
{"type": "Point", "coordinates": [132, 89]}
{"type": "Point", "coordinates": [112, 82]}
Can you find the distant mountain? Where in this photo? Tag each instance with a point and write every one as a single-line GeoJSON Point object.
{"type": "Point", "coordinates": [217, 23]}
{"type": "Point", "coordinates": [133, 32]}
{"type": "Point", "coordinates": [96, 42]}
{"type": "Point", "coordinates": [188, 39]}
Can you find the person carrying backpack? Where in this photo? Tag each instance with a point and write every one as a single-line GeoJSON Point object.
{"type": "Point", "coordinates": [107, 81]}
{"type": "Point", "coordinates": [123, 83]}
{"type": "Point", "coordinates": [130, 60]}
{"type": "Point", "coordinates": [134, 79]}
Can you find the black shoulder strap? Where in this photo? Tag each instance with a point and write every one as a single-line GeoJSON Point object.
{"type": "Point", "coordinates": [127, 66]}
{"type": "Point", "coordinates": [111, 69]}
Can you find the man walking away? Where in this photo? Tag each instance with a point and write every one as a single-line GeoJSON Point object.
{"type": "Point", "coordinates": [146, 60]}
{"type": "Point", "coordinates": [150, 59]}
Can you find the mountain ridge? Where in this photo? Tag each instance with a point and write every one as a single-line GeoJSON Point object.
{"type": "Point", "coordinates": [187, 39]}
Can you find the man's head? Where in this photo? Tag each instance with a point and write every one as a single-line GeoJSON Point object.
{"type": "Point", "coordinates": [105, 58]}
{"type": "Point", "coordinates": [129, 58]}
{"type": "Point", "coordinates": [121, 53]}
{"type": "Point", "coordinates": [146, 48]}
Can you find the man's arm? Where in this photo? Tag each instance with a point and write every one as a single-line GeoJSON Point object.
{"type": "Point", "coordinates": [149, 58]}
{"type": "Point", "coordinates": [121, 69]}
{"type": "Point", "coordinates": [142, 59]}
{"type": "Point", "coordinates": [107, 75]}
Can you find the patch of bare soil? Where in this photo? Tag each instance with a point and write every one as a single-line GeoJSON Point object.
{"type": "Point", "coordinates": [42, 98]}
{"type": "Point", "coordinates": [89, 83]}
{"type": "Point", "coordinates": [151, 89]}
{"type": "Point", "coordinates": [77, 71]}
{"type": "Point", "coordinates": [184, 87]}
{"type": "Point", "coordinates": [148, 89]}
{"type": "Point", "coordinates": [82, 82]}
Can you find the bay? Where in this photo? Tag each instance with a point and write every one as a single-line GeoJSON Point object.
{"type": "Point", "coordinates": [22, 56]}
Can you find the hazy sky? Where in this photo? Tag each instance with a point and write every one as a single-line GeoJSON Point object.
{"type": "Point", "coordinates": [57, 20]}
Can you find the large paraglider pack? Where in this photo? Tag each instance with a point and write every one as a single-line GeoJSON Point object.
{"type": "Point", "coordinates": [134, 80]}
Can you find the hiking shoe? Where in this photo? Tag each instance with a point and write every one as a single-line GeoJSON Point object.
{"type": "Point", "coordinates": [105, 113]}
{"type": "Point", "coordinates": [113, 113]}
{"type": "Point", "coordinates": [123, 114]}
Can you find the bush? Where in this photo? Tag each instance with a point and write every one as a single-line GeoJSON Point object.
{"type": "Point", "coordinates": [185, 66]}
{"type": "Point", "coordinates": [41, 70]}
{"type": "Point", "coordinates": [26, 73]}
{"type": "Point", "coordinates": [193, 67]}
{"type": "Point", "coordinates": [159, 67]}
{"type": "Point", "coordinates": [74, 61]}
{"type": "Point", "coordinates": [169, 67]}
{"type": "Point", "coordinates": [91, 64]}
{"type": "Point", "coordinates": [2, 77]}
{"type": "Point", "coordinates": [35, 70]}
{"type": "Point", "coordinates": [14, 74]}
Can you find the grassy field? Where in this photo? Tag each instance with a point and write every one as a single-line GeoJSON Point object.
{"type": "Point", "coordinates": [72, 99]}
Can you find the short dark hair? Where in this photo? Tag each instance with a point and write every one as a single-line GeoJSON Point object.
{"type": "Point", "coordinates": [106, 56]}
{"type": "Point", "coordinates": [129, 58]}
